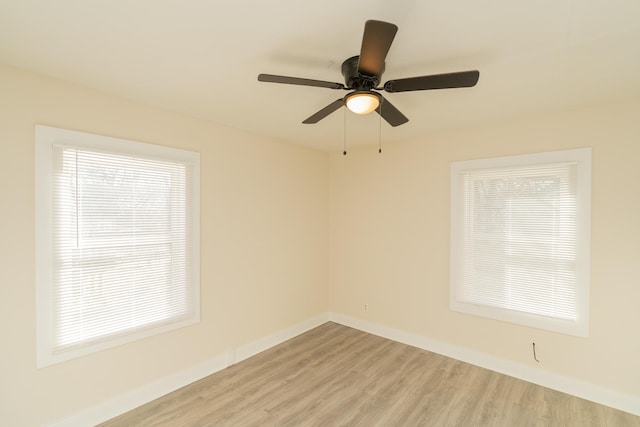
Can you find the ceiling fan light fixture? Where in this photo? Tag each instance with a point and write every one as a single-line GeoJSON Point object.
{"type": "Point", "coordinates": [362, 102]}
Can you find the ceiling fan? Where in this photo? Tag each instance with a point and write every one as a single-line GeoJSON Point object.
{"type": "Point", "coordinates": [362, 75]}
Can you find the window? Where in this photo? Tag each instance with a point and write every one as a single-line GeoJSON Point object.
{"type": "Point", "coordinates": [117, 241]}
{"type": "Point", "coordinates": [520, 239]}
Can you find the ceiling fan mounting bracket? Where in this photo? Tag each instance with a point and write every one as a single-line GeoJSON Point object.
{"type": "Point", "coordinates": [353, 79]}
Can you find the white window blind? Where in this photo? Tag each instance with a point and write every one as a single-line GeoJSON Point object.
{"type": "Point", "coordinates": [520, 245]}
{"type": "Point", "coordinates": [124, 255]}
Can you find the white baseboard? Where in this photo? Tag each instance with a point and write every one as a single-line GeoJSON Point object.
{"type": "Point", "coordinates": [130, 400]}
{"type": "Point", "coordinates": [575, 387]}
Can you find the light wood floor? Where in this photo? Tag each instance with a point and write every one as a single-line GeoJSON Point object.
{"type": "Point", "coordinates": [337, 376]}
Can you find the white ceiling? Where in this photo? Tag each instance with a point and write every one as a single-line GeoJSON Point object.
{"type": "Point", "coordinates": [202, 57]}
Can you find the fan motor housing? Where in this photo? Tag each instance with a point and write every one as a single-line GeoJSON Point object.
{"type": "Point", "coordinates": [354, 80]}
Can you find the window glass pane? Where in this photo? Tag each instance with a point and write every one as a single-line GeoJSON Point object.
{"type": "Point", "coordinates": [119, 219]}
{"type": "Point", "coordinates": [122, 264]}
{"type": "Point", "coordinates": [515, 230]}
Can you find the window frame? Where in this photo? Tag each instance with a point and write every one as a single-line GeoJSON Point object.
{"type": "Point", "coordinates": [582, 157]}
{"type": "Point", "coordinates": [45, 138]}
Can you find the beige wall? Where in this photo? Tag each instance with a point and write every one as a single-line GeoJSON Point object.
{"type": "Point", "coordinates": [390, 242]}
{"type": "Point", "coordinates": [264, 225]}
{"type": "Point", "coordinates": [290, 233]}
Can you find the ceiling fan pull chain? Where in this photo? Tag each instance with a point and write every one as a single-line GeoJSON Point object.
{"type": "Point", "coordinates": [380, 126]}
{"type": "Point", "coordinates": [344, 133]}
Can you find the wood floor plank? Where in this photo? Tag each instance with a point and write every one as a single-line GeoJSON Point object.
{"type": "Point", "coordinates": [338, 376]}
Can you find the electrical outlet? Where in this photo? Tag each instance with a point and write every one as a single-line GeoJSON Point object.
{"type": "Point", "coordinates": [366, 307]}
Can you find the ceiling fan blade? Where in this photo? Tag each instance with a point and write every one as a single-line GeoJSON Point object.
{"type": "Point", "coordinates": [376, 41]}
{"type": "Point", "coordinates": [391, 114]}
{"type": "Point", "coordinates": [315, 118]}
{"type": "Point", "coordinates": [435, 81]}
{"type": "Point", "coordinates": [271, 78]}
